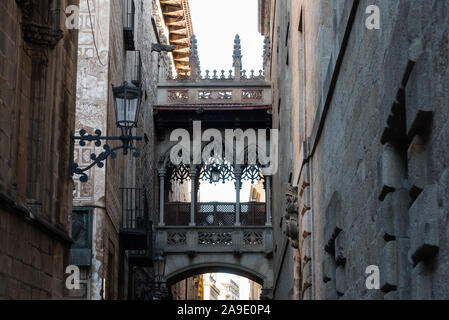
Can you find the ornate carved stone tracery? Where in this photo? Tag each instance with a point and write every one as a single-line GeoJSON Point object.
{"type": "Point", "coordinates": [291, 214]}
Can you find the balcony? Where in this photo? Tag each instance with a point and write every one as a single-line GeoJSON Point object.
{"type": "Point", "coordinates": [213, 239]}
{"type": "Point", "coordinates": [215, 214]}
{"type": "Point", "coordinates": [143, 258]}
{"type": "Point", "coordinates": [134, 231]}
{"type": "Point", "coordinates": [129, 13]}
{"type": "Point", "coordinates": [217, 102]}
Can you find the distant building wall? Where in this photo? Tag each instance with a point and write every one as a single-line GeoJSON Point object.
{"type": "Point", "coordinates": [363, 124]}
{"type": "Point", "coordinates": [37, 107]}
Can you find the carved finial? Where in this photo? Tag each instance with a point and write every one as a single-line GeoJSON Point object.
{"type": "Point", "coordinates": [237, 57]}
{"type": "Point", "coordinates": [194, 60]}
{"type": "Point", "coordinates": [230, 74]}
{"type": "Point", "coordinates": [215, 74]}
{"type": "Point", "coordinates": [237, 51]}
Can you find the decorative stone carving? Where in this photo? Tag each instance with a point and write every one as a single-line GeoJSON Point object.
{"type": "Point", "coordinates": [215, 238]}
{"type": "Point", "coordinates": [291, 194]}
{"type": "Point", "coordinates": [41, 35]}
{"type": "Point", "coordinates": [178, 96]}
{"type": "Point", "coordinates": [292, 232]}
{"type": "Point", "coordinates": [291, 215]}
{"type": "Point", "coordinates": [162, 47]}
{"type": "Point", "coordinates": [27, 8]}
{"type": "Point", "coordinates": [252, 94]}
{"type": "Point", "coordinates": [176, 238]}
{"type": "Point", "coordinates": [253, 238]}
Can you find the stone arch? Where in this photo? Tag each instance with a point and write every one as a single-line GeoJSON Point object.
{"type": "Point", "coordinates": [194, 270]}
{"type": "Point", "coordinates": [254, 266]}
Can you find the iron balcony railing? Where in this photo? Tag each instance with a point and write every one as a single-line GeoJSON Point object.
{"type": "Point", "coordinates": [135, 209]}
{"type": "Point", "coordinates": [253, 214]}
{"type": "Point", "coordinates": [177, 213]}
{"type": "Point", "coordinates": [129, 13]}
{"type": "Point", "coordinates": [215, 214]}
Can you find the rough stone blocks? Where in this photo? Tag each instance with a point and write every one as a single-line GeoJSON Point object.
{"type": "Point", "coordinates": [393, 214]}
{"type": "Point", "coordinates": [417, 164]}
{"type": "Point", "coordinates": [421, 284]}
{"type": "Point", "coordinates": [330, 292]}
{"type": "Point", "coordinates": [388, 267]}
{"type": "Point", "coordinates": [424, 227]}
{"type": "Point", "coordinates": [340, 252]}
{"type": "Point", "coordinates": [392, 170]}
{"type": "Point", "coordinates": [328, 265]}
{"type": "Point", "coordinates": [419, 93]}
{"type": "Point", "coordinates": [340, 280]}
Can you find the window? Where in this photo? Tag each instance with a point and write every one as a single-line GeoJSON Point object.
{"type": "Point", "coordinates": [80, 253]}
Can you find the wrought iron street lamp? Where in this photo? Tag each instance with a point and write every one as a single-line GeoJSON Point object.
{"type": "Point", "coordinates": [159, 268]}
{"type": "Point", "coordinates": [215, 174]}
{"type": "Point", "coordinates": [161, 291]}
{"type": "Point", "coordinates": [126, 105]}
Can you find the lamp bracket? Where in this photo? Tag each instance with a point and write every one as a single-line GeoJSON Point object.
{"type": "Point", "coordinates": [98, 160]}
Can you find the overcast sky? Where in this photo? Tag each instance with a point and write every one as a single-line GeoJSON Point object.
{"type": "Point", "coordinates": [215, 24]}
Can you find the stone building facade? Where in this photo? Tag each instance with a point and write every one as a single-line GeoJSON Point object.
{"type": "Point", "coordinates": [187, 289]}
{"type": "Point", "coordinates": [37, 111]}
{"type": "Point", "coordinates": [362, 113]}
{"type": "Point", "coordinates": [106, 58]}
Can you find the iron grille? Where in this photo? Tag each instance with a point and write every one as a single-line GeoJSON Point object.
{"type": "Point", "coordinates": [129, 13]}
{"type": "Point", "coordinates": [253, 214]}
{"type": "Point", "coordinates": [177, 213]}
{"type": "Point", "coordinates": [215, 214]}
{"type": "Point", "coordinates": [135, 209]}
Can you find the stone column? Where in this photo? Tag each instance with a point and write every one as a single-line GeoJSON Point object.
{"type": "Point", "coordinates": [193, 173]}
{"type": "Point", "coordinates": [238, 184]}
{"type": "Point", "coordinates": [162, 174]}
{"type": "Point", "coordinates": [268, 199]}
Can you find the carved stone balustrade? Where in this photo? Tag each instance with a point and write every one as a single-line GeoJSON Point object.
{"type": "Point", "coordinates": [214, 239]}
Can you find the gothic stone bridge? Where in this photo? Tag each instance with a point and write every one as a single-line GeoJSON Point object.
{"type": "Point", "coordinates": [197, 237]}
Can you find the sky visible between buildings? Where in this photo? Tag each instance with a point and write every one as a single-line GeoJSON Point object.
{"type": "Point", "coordinates": [215, 24]}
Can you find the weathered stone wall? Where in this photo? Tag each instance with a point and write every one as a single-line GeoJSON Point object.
{"type": "Point", "coordinates": [37, 107]}
{"type": "Point", "coordinates": [281, 75]}
{"type": "Point", "coordinates": [372, 121]}
{"type": "Point", "coordinates": [113, 65]}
